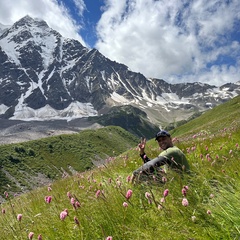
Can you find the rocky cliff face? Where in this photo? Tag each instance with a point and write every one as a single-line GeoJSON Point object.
{"type": "Point", "coordinates": [46, 76]}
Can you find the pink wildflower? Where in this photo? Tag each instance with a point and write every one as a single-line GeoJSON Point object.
{"type": "Point", "coordinates": [160, 206]}
{"type": "Point", "coordinates": [39, 237]}
{"type": "Point", "coordinates": [6, 194]}
{"type": "Point", "coordinates": [128, 179]}
{"type": "Point", "coordinates": [162, 200]}
{"type": "Point", "coordinates": [149, 200]}
{"type": "Point", "coordinates": [211, 195]}
{"type": "Point", "coordinates": [48, 199]}
{"type": "Point", "coordinates": [3, 211]}
{"type": "Point", "coordinates": [164, 179]}
{"type": "Point", "coordinates": [125, 204]}
{"type": "Point", "coordinates": [69, 195]}
{"type": "Point", "coordinates": [209, 212]}
{"type": "Point", "coordinates": [119, 183]}
{"type": "Point", "coordinates": [49, 189]}
{"type": "Point", "coordinates": [19, 217]}
{"type": "Point", "coordinates": [147, 195]}
{"type": "Point", "coordinates": [165, 193]}
{"type": "Point", "coordinates": [30, 235]}
{"type": "Point", "coordinates": [184, 192]}
{"type": "Point", "coordinates": [72, 201]}
{"type": "Point", "coordinates": [129, 194]}
{"type": "Point", "coordinates": [76, 220]}
{"type": "Point", "coordinates": [63, 214]}
{"type": "Point", "coordinates": [208, 157]}
{"type": "Point", "coordinates": [66, 210]}
{"type": "Point", "coordinates": [98, 193]}
{"type": "Point", "coordinates": [77, 204]}
{"type": "Point", "coordinates": [185, 202]}
{"type": "Point", "coordinates": [109, 238]}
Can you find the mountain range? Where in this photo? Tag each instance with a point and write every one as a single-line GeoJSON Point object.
{"type": "Point", "coordinates": [45, 76]}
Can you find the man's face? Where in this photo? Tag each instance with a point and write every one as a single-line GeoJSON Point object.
{"type": "Point", "coordinates": [165, 142]}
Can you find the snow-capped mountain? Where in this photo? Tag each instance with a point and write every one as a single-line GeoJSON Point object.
{"type": "Point", "coordinates": [46, 76]}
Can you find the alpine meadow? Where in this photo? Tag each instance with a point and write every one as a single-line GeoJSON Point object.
{"type": "Point", "coordinates": [99, 202]}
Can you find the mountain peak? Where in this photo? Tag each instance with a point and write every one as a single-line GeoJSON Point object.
{"type": "Point", "coordinates": [44, 75]}
{"type": "Point", "coordinates": [29, 21]}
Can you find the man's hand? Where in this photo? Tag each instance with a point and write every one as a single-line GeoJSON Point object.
{"type": "Point", "coordinates": [142, 145]}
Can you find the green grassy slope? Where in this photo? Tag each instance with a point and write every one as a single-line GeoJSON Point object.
{"type": "Point", "coordinates": [212, 200]}
{"type": "Point", "coordinates": [129, 118]}
{"type": "Point", "coordinates": [51, 157]}
{"type": "Point", "coordinates": [225, 115]}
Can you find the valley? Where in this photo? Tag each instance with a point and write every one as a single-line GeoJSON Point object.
{"type": "Point", "coordinates": [16, 131]}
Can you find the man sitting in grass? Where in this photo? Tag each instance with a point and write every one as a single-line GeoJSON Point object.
{"type": "Point", "coordinates": [171, 156]}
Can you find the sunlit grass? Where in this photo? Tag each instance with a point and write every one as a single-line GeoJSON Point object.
{"type": "Point", "coordinates": [212, 209]}
{"type": "Point", "coordinates": [202, 205]}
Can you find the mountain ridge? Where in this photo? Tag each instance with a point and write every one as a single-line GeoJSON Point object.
{"type": "Point", "coordinates": [45, 76]}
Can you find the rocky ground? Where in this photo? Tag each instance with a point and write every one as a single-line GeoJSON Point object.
{"type": "Point", "coordinates": [14, 131]}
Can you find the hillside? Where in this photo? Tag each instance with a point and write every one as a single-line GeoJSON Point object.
{"type": "Point", "coordinates": [93, 204]}
{"type": "Point", "coordinates": [34, 163]}
{"type": "Point", "coordinates": [129, 118]}
{"type": "Point", "coordinates": [223, 116]}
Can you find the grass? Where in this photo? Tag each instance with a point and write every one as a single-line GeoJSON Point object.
{"type": "Point", "coordinates": [49, 158]}
{"type": "Point", "coordinates": [129, 118]}
{"type": "Point", "coordinates": [213, 121]}
{"type": "Point", "coordinates": [213, 193]}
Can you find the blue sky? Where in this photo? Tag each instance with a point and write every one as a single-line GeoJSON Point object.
{"type": "Point", "coordinates": [86, 14]}
{"type": "Point", "coordinates": [178, 41]}
{"type": "Point", "coordinates": [91, 16]}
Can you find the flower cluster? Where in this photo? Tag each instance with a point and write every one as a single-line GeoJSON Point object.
{"type": "Point", "coordinates": [184, 193]}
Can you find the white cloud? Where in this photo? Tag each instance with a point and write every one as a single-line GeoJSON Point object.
{"type": "Point", "coordinates": [215, 75]}
{"type": "Point", "coordinates": [56, 15]}
{"type": "Point", "coordinates": [80, 5]}
{"type": "Point", "coordinates": [173, 40]}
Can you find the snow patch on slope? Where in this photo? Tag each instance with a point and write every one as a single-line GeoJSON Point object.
{"type": "Point", "coordinates": [74, 110]}
{"type": "Point", "coordinates": [3, 108]}
{"type": "Point", "coordinates": [118, 98]}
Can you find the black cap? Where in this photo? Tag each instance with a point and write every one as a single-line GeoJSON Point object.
{"type": "Point", "coordinates": [162, 133]}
